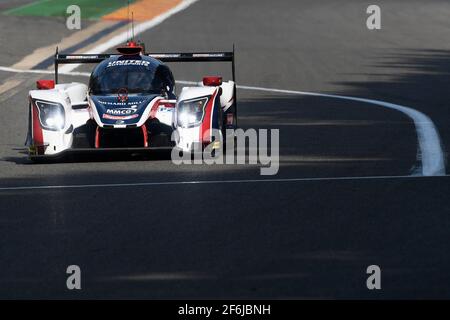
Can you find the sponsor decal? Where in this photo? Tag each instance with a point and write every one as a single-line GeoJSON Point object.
{"type": "Point", "coordinates": [164, 108]}
{"type": "Point", "coordinates": [81, 57]}
{"type": "Point", "coordinates": [166, 55]}
{"type": "Point", "coordinates": [112, 117]}
{"type": "Point", "coordinates": [118, 63]}
{"type": "Point", "coordinates": [116, 103]}
{"type": "Point", "coordinates": [122, 111]}
{"type": "Point", "coordinates": [207, 55]}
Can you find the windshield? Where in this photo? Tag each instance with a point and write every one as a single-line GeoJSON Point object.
{"type": "Point", "coordinates": [143, 78]}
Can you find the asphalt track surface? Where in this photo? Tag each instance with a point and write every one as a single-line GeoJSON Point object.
{"type": "Point", "coordinates": [250, 239]}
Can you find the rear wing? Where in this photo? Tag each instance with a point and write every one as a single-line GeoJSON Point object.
{"type": "Point", "coordinates": [164, 57]}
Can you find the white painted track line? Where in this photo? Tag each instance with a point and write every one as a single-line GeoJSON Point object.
{"type": "Point", "coordinates": [431, 153]}
{"type": "Point", "coordinates": [71, 73]}
{"type": "Point", "coordinates": [201, 182]}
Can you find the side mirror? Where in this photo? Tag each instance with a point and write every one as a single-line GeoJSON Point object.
{"type": "Point", "coordinates": [45, 84]}
{"type": "Point", "coordinates": [212, 81]}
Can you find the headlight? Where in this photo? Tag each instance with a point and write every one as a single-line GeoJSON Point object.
{"type": "Point", "coordinates": [190, 113]}
{"type": "Point", "coordinates": [51, 115]}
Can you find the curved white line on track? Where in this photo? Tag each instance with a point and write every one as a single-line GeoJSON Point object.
{"type": "Point", "coordinates": [431, 153]}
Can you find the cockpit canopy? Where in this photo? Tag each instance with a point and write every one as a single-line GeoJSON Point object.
{"type": "Point", "coordinates": [137, 74]}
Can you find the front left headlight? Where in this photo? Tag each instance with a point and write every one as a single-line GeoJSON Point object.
{"type": "Point", "coordinates": [190, 113]}
{"type": "Point", "coordinates": [51, 115]}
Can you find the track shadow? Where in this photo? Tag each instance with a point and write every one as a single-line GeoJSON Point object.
{"type": "Point", "coordinates": [312, 239]}
{"type": "Point", "coordinates": [416, 78]}
{"type": "Point", "coordinates": [86, 157]}
{"type": "Point", "coordinates": [326, 128]}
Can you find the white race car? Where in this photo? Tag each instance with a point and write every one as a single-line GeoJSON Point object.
{"type": "Point", "coordinates": [129, 104]}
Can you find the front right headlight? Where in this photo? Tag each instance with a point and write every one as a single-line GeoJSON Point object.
{"type": "Point", "coordinates": [190, 113]}
{"type": "Point", "coordinates": [51, 115]}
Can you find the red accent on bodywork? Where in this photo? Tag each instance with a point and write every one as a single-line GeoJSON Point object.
{"type": "Point", "coordinates": [206, 124]}
{"type": "Point", "coordinates": [154, 109]}
{"type": "Point", "coordinates": [38, 137]}
{"type": "Point", "coordinates": [157, 104]}
{"type": "Point", "coordinates": [45, 84]}
{"type": "Point", "coordinates": [97, 137]}
{"type": "Point", "coordinates": [131, 48]}
{"type": "Point", "coordinates": [229, 119]}
{"type": "Point", "coordinates": [212, 81]}
{"type": "Point", "coordinates": [122, 95]}
{"type": "Point", "coordinates": [144, 133]}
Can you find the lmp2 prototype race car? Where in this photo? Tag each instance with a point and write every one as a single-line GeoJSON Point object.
{"type": "Point", "coordinates": [130, 104]}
